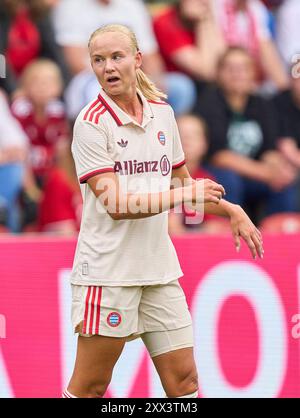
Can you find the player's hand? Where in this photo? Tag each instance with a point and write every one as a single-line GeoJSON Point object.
{"type": "Point", "coordinates": [242, 227]}
{"type": "Point", "coordinates": [207, 191]}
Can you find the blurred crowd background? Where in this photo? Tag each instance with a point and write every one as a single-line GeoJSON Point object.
{"type": "Point", "coordinates": [231, 69]}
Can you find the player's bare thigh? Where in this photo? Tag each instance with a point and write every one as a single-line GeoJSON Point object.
{"type": "Point", "coordinates": [95, 360]}
{"type": "Point", "coordinates": [177, 372]}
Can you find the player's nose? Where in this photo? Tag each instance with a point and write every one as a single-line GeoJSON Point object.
{"type": "Point", "coordinates": [109, 66]}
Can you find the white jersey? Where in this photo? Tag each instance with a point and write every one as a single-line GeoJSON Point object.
{"type": "Point", "coordinates": [125, 252]}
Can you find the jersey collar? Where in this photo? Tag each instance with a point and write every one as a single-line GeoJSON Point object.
{"type": "Point", "coordinates": [121, 117]}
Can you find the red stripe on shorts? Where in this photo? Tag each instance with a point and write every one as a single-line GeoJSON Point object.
{"type": "Point", "coordinates": [98, 310]}
{"type": "Point", "coordinates": [86, 310]}
{"type": "Point", "coordinates": [92, 305]}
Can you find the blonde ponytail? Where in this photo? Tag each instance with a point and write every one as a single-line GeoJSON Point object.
{"type": "Point", "coordinates": [147, 87]}
{"type": "Point", "coordinates": [144, 84]}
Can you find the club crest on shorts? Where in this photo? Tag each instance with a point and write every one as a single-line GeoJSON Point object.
{"type": "Point", "coordinates": [161, 137]}
{"type": "Point", "coordinates": [114, 319]}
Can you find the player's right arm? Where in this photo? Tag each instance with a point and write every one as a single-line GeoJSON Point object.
{"type": "Point", "coordinates": [120, 205]}
{"type": "Point", "coordinates": [95, 167]}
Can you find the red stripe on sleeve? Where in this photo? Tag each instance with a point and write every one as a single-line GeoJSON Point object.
{"type": "Point", "coordinates": [178, 165]}
{"type": "Point", "coordinates": [90, 108]}
{"type": "Point", "coordinates": [96, 109]}
{"type": "Point", "coordinates": [84, 178]}
{"type": "Point", "coordinates": [98, 115]}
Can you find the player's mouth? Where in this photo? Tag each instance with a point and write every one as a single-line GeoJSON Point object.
{"type": "Point", "coordinates": [112, 80]}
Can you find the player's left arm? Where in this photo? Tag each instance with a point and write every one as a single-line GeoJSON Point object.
{"type": "Point", "coordinates": [241, 225]}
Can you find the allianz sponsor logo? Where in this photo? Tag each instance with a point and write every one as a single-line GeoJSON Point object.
{"type": "Point", "coordinates": [139, 167]}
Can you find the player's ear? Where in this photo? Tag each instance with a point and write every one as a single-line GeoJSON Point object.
{"type": "Point", "coordinates": [138, 60]}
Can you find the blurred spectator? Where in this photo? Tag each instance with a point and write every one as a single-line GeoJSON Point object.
{"type": "Point", "coordinates": [73, 32]}
{"type": "Point", "coordinates": [288, 31]}
{"type": "Point", "coordinates": [42, 116]}
{"type": "Point", "coordinates": [288, 114]}
{"type": "Point", "coordinates": [25, 34]}
{"type": "Point", "coordinates": [281, 223]}
{"type": "Point", "coordinates": [61, 203]}
{"type": "Point", "coordinates": [273, 4]}
{"type": "Point", "coordinates": [189, 38]}
{"type": "Point", "coordinates": [243, 137]}
{"type": "Point", "coordinates": [13, 147]}
{"type": "Point", "coordinates": [193, 134]}
{"type": "Point", "coordinates": [245, 23]}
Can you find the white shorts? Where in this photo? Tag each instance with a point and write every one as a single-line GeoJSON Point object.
{"type": "Point", "coordinates": [133, 311]}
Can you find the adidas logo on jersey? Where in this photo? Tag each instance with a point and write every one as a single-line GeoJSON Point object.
{"type": "Point", "coordinates": [122, 143]}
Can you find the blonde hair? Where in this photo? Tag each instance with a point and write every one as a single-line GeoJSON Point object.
{"type": "Point", "coordinates": [144, 84]}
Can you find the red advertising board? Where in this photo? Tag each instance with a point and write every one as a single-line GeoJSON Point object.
{"type": "Point", "coordinates": [245, 318]}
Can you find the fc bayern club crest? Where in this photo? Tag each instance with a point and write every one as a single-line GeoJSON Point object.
{"type": "Point", "coordinates": [114, 319]}
{"type": "Point", "coordinates": [161, 137]}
